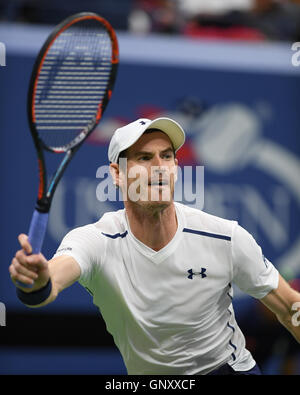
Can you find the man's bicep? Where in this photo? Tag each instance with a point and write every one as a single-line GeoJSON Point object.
{"type": "Point", "coordinates": [64, 271]}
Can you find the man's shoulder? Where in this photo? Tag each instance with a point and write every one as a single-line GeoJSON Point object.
{"type": "Point", "coordinates": [110, 222]}
{"type": "Point", "coordinates": [199, 220]}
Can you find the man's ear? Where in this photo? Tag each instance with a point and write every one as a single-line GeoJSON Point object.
{"type": "Point", "coordinates": [114, 170]}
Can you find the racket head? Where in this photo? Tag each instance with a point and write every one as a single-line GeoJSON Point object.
{"type": "Point", "coordinates": [70, 86]}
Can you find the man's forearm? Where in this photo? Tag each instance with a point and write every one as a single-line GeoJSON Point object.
{"type": "Point", "coordinates": [292, 321]}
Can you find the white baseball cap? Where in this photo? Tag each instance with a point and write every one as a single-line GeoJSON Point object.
{"type": "Point", "coordinates": [127, 135]}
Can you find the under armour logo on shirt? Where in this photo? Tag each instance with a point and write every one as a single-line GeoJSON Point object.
{"type": "Point", "coordinates": [192, 274]}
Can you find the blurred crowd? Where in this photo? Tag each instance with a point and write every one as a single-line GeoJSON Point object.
{"type": "Point", "coordinates": [252, 20]}
{"type": "Point", "coordinates": [232, 19]}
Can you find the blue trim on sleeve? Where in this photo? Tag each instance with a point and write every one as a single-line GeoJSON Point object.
{"type": "Point", "coordinates": [115, 236]}
{"type": "Point", "coordinates": [202, 233]}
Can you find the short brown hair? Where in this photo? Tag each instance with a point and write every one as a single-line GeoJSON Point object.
{"type": "Point", "coordinates": [123, 154]}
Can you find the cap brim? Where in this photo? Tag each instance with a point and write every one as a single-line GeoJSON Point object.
{"type": "Point", "coordinates": [171, 128]}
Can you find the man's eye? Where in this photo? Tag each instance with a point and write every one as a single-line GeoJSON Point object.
{"type": "Point", "coordinates": [144, 158]}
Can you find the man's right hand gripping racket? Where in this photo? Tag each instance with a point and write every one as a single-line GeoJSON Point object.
{"type": "Point", "coordinates": [70, 87]}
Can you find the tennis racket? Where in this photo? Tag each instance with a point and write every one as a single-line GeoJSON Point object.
{"type": "Point", "coordinates": [70, 87]}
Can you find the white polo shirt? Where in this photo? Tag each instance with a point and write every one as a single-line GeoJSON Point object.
{"type": "Point", "coordinates": [170, 312]}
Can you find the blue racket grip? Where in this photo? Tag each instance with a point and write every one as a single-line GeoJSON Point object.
{"type": "Point", "coordinates": [36, 236]}
{"type": "Point", "coordinates": [37, 231]}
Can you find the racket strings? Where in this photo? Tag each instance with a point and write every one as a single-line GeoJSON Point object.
{"type": "Point", "coordinates": [72, 83]}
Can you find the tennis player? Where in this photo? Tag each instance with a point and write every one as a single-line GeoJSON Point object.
{"type": "Point", "coordinates": [160, 272]}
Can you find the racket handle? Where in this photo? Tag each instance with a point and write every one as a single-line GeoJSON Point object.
{"type": "Point", "coordinates": [37, 231]}
{"type": "Point", "coordinates": [36, 236]}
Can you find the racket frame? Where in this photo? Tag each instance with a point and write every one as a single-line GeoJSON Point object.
{"type": "Point", "coordinates": [46, 192]}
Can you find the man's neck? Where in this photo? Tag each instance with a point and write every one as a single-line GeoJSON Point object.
{"type": "Point", "coordinates": [153, 226]}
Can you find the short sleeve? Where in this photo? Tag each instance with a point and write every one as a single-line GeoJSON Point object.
{"type": "Point", "coordinates": [86, 247]}
{"type": "Point", "coordinates": [252, 272]}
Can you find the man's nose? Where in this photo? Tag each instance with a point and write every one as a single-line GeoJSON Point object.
{"type": "Point", "coordinates": [158, 171]}
{"type": "Point", "coordinates": [157, 161]}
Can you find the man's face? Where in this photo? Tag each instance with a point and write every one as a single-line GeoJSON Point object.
{"type": "Point", "coordinates": [151, 171]}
